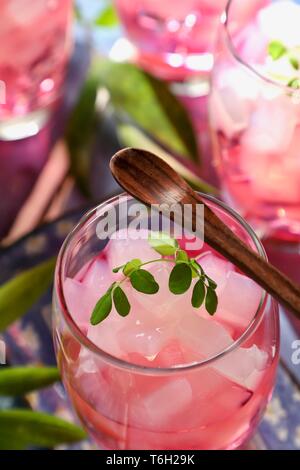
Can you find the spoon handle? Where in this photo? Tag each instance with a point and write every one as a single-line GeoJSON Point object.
{"type": "Point", "coordinates": [223, 240]}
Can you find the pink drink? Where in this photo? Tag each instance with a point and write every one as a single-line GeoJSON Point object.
{"type": "Point", "coordinates": [144, 381]}
{"type": "Point", "coordinates": [255, 119]}
{"type": "Point", "coordinates": [174, 38]}
{"type": "Point", "coordinates": [35, 45]}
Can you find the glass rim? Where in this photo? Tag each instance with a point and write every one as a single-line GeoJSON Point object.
{"type": "Point", "coordinates": [225, 20]}
{"type": "Point", "coordinates": [123, 364]}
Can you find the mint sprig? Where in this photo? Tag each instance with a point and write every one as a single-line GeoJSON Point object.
{"type": "Point", "coordinates": [180, 280]}
{"type": "Point", "coordinates": [276, 49]}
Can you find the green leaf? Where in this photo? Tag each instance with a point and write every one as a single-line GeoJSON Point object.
{"type": "Point", "coordinates": [276, 49]}
{"type": "Point", "coordinates": [149, 103]}
{"type": "Point", "coordinates": [294, 62]}
{"type": "Point", "coordinates": [121, 302]}
{"type": "Point", "coordinates": [131, 136]}
{"type": "Point", "coordinates": [294, 83]}
{"type": "Point", "coordinates": [198, 294]}
{"type": "Point", "coordinates": [81, 132]}
{"type": "Point", "coordinates": [143, 281]}
{"type": "Point", "coordinates": [211, 301]}
{"type": "Point", "coordinates": [19, 294]}
{"type": "Point", "coordinates": [131, 266]}
{"type": "Point", "coordinates": [182, 256]}
{"type": "Point", "coordinates": [103, 308]}
{"type": "Point", "coordinates": [180, 278]}
{"type": "Point", "coordinates": [163, 243]}
{"type": "Point", "coordinates": [16, 381]}
{"type": "Point", "coordinates": [23, 428]}
{"type": "Point", "coordinates": [107, 18]}
{"type": "Point", "coordinates": [212, 284]}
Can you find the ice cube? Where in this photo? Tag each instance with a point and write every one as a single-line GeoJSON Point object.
{"type": "Point", "coordinates": [244, 85]}
{"type": "Point", "coordinates": [280, 20]}
{"type": "Point", "coordinates": [105, 334]}
{"type": "Point", "coordinates": [272, 126]}
{"type": "Point", "coordinates": [125, 246]}
{"type": "Point", "coordinates": [229, 113]}
{"type": "Point", "coordinates": [82, 296]}
{"type": "Point", "coordinates": [98, 277]}
{"type": "Point", "coordinates": [204, 337]}
{"type": "Point", "coordinates": [107, 389]}
{"type": "Point", "coordinates": [215, 398]}
{"type": "Point", "coordinates": [171, 355]}
{"type": "Point", "coordinates": [162, 306]}
{"type": "Point", "coordinates": [144, 336]}
{"type": "Point", "coordinates": [238, 301]}
{"type": "Point", "coordinates": [216, 268]}
{"type": "Point", "coordinates": [89, 380]}
{"type": "Point", "coordinates": [274, 178]}
{"type": "Point", "coordinates": [79, 302]}
{"type": "Point", "coordinates": [166, 402]}
{"type": "Point", "coordinates": [251, 44]}
{"type": "Point", "coordinates": [247, 87]}
{"type": "Point", "coordinates": [146, 388]}
{"type": "Point", "coordinates": [244, 366]}
{"type": "Point", "coordinates": [141, 331]}
{"type": "Point", "coordinates": [150, 324]}
{"type": "Point", "coordinates": [146, 342]}
{"type": "Point", "coordinates": [232, 100]}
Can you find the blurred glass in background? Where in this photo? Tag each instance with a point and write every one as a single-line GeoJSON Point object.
{"type": "Point", "coordinates": [35, 37]}
{"type": "Point", "coordinates": [174, 39]}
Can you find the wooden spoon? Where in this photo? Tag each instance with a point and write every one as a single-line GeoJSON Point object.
{"type": "Point", "coordinates": [152, 181]}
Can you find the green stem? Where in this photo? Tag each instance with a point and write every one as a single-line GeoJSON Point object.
{"type": "Point", "coordinates": [159, 260]}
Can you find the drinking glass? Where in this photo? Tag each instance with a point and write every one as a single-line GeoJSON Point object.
{"type": "Point", "coordinates": [134, 400]}
{"type": "Point", "coordinates": [255, 117]}
{"type": "Point", "coordinates": [174, 39]}
{"type": "Point", "coordinates": [35, 38]}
